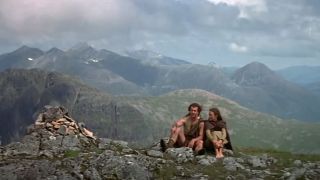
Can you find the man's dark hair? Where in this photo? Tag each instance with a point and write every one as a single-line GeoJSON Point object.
{"type": "Point", "coordinates": [195, 105]}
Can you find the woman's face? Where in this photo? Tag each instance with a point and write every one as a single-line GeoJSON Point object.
{"type": "Point", "coordinates": [212, 116]}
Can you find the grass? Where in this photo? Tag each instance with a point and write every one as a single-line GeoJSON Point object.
{"type": "Point", "coordinates": [279, 154]}
{"type": "Point", "coordinates": [71, 154]}
{"type": "Point", "coordinates": [283, 160]}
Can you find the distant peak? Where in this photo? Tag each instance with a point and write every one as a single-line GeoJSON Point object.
{"type": "Point", "coordinates": [256, 67]}
{"type": "Point", "coordinates": [257, 64]}
{"type": "Point", "coordinates": [152, 57]}
{"type": "Point", "coordinates": [27, 49]}
{"type": "Point", "coordinates": [54, 50]}
{"type": "Point", "coordinates": [23, 48]}
{"type": "Point", "coordinates": [81, 46]}
{"type": "Point", "coordinates": [253, 74]}
{"type": "Point", "coordinates": [144, 53]}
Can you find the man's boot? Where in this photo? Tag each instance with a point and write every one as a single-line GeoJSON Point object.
{"type": "Point", "coordinates": [170, 143]}
{"type": "Point", "coordinates": [165, 146]}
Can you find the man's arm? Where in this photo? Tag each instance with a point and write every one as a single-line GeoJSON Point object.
{"type": "Point", "coordinates": [179, 123]}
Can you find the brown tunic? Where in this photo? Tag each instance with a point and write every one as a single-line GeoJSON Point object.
{"type": "Point", "coordinates": [191, 130]}
{"type": "Point", "coordinates": [218, 126]}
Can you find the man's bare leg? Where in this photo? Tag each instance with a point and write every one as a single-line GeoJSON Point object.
{"type": "Point", "coordinates": [199, 145]}
{"type": "Point", "coordinates": [199, 150]}
{"type": "Point", "coordinates": [180, 137]}
{"type": "Point", "coordinates": [177, 135]}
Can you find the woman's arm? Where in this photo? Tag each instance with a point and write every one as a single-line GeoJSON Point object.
{"type": "Point", "coordinates": [224, 133]}
{"type": "Point", "coordinates": [209, 135]}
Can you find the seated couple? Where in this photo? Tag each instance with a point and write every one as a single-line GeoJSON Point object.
{"type": "Point", "coordinates": [191, 131]}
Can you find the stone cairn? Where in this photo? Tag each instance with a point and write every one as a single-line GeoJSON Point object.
{"type": "Point", "coordinates": [57, 121]}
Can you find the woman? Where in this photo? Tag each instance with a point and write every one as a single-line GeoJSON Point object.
{"type": "Point", "coordinates": [216, 132]}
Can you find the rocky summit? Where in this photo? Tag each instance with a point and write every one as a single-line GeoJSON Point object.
{"type": "Point", "coordinates": [58, 147]}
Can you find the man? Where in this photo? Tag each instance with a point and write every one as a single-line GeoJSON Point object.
{"type": "Point", "coordinates": [187, 131]}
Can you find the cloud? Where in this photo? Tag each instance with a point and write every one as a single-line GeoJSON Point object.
{"type": "Point", "coordinates": [248, 8]}
{"type": "Point", "coordinates": [198, 29]}
{"type": "Point", "coordinates": [237, 48]}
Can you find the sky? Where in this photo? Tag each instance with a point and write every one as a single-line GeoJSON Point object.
{"type": "Point", "coordinates": [278, 33]}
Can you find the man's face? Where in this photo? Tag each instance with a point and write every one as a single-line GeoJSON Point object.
{"type": "Point", "coordinates": [194, 112]}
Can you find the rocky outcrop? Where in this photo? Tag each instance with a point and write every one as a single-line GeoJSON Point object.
{"type": "Point", "coordinates": [46, 153]}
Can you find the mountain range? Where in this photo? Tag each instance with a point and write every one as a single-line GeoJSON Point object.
{"type": "Point", "coordinates": [144, 73]}
{"type": "Point", "coordinates": [24, 92]}
{"type": "Point", "coordinates": [139, 120]}
{"type": "Point", "coordinates": [307, 77]}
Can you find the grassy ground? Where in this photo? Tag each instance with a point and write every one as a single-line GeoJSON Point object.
{"type": "Point", "coordinates": [218, 171]}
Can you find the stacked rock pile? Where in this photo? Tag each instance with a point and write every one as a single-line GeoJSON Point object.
{"type": "Point", "coordinates": [57, 121]}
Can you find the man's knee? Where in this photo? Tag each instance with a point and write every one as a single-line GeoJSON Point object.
{"type": "Point", "coordinates": [175, 129]}
{"type": "Point", "coordinates": [199, 143]}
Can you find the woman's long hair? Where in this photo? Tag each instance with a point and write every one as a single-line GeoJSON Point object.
{"type": "Point", "coordinates": [216, 112]}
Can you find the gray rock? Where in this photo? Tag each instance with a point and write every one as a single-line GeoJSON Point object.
{"type": "Point", "coordinates": [52, 113]}
{"type": "Point", "coordinates": [154, 153]}
{"type": "Point", "coordinates": [70, 142]}
{"type": "Point", "coordinates": [297, 173]}
{"type": "Point", "coordinates": [92, 174]}
{"type": "Point", "coordinates": [206, 160]}
{"type": "Point", "coordinates": [46, 153]}
{"type": "Point", "coordinates": [310, 165]}
{"type": "Point", "coordinates": [28, 146]}
{"type": "Point", "coordinates": [51, 143]}
{"type": "Point", "coordinates": [122, 167]}
{"type": "Point", "coordinates": [231, 164]}
{"type": "Point", "coordinates": [200, 176]}
{"type": "Point", "coordinates": [128, 150]}
{"type": "Point", "coordinates": [228, 152]}
{"type": "Point", "coordinates": [261, 161]}
{"type": "Point", "coordinates": [287, 174]}
{"type": "Point", "coordinates": [297, 163]}
{"type": "Point", "coordinates": [51, 178]}
{"type": "Point", "coordinates": [62, 175]}
{"type": "Point", "coordinates": [8, 172]}
{"type": "Point", "coordinates": [240, 160]}
{"type": "Point", "coordinates": [311, 173]}
{"type": "Point", "coordinates": [230, 177]}
{"type": "Point", "coordinates": [257, 162]}
{"type": "Point", "coordinates": [62, 130]}
{"type": "Point", "coordinates": [103, 143]}
{"type": "Point", "coordinates": [122, 144]}
{"type": "Point", "coordinates": [181, 155]}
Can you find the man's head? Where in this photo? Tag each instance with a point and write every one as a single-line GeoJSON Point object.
{"type": "Point", "coordinates": [194, 110]}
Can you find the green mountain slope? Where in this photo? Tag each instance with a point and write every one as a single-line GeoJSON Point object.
{"type": "Point", "coordinates": [140, 120]}
{"type": "Point", "coordinates": [23, 93]}
{"type": "Point", "coordinates": [247, 128]}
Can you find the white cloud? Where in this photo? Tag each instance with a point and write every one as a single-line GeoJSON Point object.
{"type": "Point", "coordinates": [248, 27]}
{"type": "Point", "coordinates": [247, 8]}
{"type": "Point", "coordinates": [46, 17]}
{"type": "Point", "coordinates": [238, 48]}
